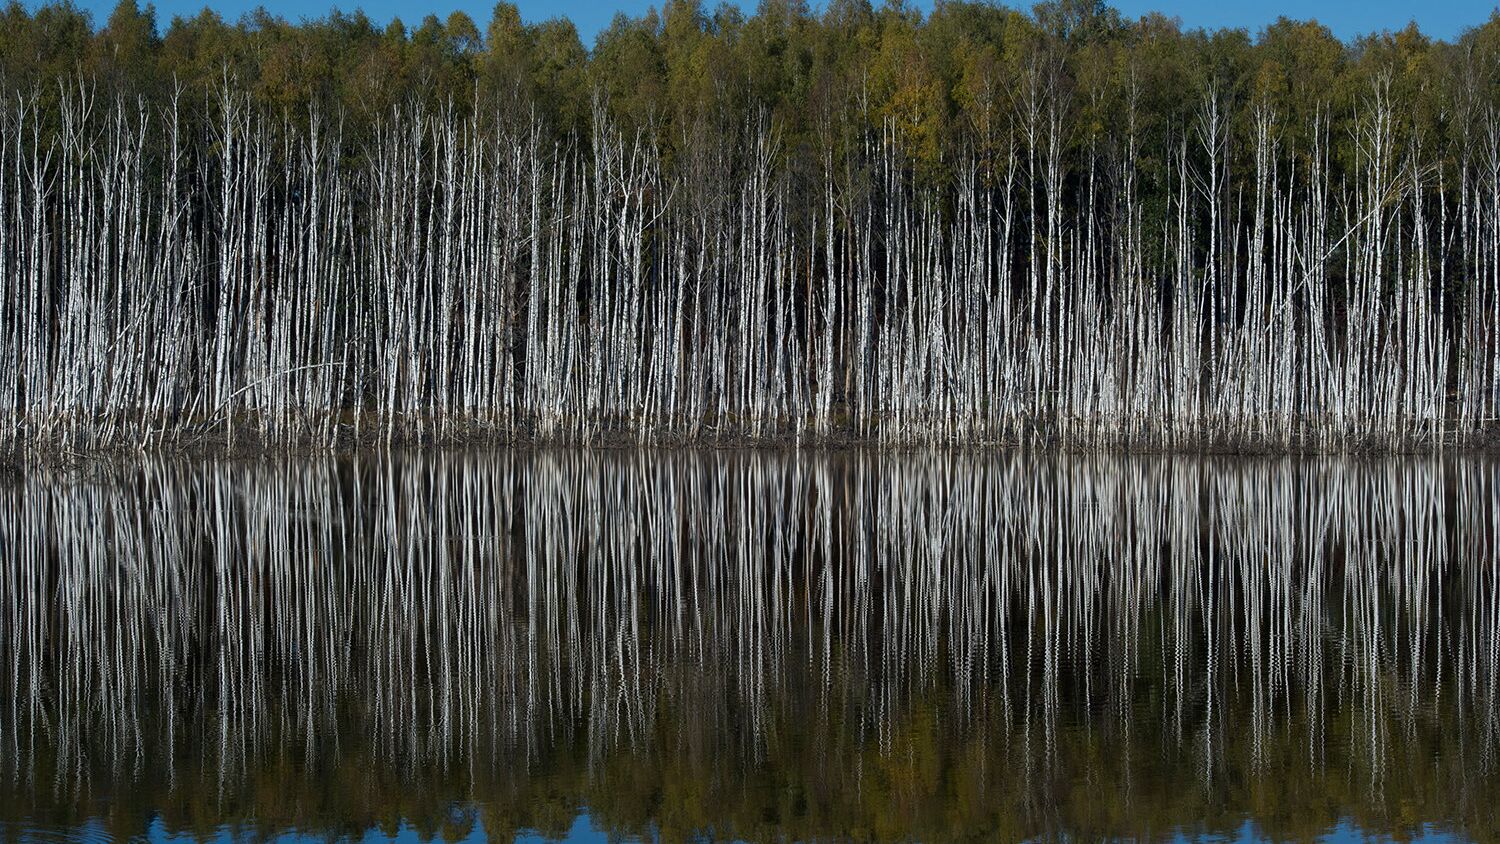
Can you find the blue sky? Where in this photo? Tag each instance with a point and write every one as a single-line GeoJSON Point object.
{"type": "Point", "coordinates": [1440, 18]}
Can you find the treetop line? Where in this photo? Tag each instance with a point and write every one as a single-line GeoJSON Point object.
{"type": "Point", "coordinates": [975, 227]}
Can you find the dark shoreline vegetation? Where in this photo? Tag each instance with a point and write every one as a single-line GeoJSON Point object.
{"type": "Point", "coordinates": [980, 227]}
{"type": "Point", "coordinates": [815, 647]}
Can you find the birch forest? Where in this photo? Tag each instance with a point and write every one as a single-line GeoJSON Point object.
{"type": "Point", "coordinates": [1047, 227]}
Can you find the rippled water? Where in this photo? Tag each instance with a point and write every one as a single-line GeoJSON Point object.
{"type": "Point", "coordinates": [751, 646]}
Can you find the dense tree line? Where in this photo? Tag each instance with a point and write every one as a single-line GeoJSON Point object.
{"type": "Point", "coordinates": [978, 225]}
{"type": "Point", "coordinates": [950, 82]}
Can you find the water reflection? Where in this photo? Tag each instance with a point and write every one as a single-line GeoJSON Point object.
{"type": "Point", "coordinates": [754, 646]}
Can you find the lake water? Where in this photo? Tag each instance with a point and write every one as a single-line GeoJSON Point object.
{"type": "Point", "coordinates": [751, 646]}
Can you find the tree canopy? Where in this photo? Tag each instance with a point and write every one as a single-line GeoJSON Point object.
{"type": "Point", "coordinates": [946, 82]}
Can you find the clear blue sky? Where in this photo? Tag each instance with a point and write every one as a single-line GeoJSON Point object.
{"type": "Point", "coordinates": [1347, 18]}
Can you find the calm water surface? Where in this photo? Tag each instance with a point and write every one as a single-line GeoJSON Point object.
{"type": "Point", "coordinates": [726, 646]}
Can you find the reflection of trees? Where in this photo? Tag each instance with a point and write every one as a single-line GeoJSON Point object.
{"type": "Point", "coordinates": [759, 645]}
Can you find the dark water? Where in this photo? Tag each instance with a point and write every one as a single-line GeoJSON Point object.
{"type": "Point", "coordinates": [751, 646]}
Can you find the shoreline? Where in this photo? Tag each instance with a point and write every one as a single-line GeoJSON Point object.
{"type": "Point", "coordinates": [219, 446]}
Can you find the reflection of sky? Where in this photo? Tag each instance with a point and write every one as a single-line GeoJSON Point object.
{"type": "Point", "coordinates": [584, 831]}
{"type": "Point", "coordinates": [1344, 833]}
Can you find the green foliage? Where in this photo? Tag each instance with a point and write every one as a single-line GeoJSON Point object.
{"type": "Point", "coordinates": [629, 69]}
{"type": "Point", "coordinates": [944, 88]}
{"type": "Point", "coordinates": [685, 59]}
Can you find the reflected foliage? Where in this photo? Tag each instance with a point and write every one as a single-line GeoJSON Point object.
{"type": "Point", "coordinates": [753, 645]}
